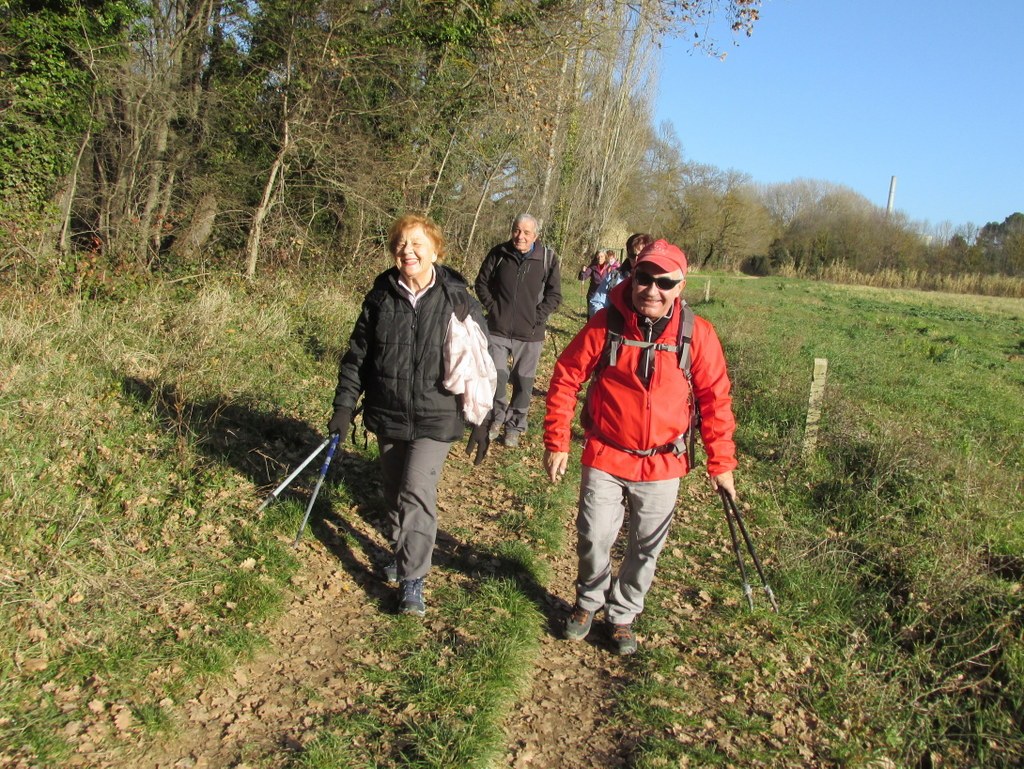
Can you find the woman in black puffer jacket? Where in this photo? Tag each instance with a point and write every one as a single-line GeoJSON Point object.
{"type": "Point", "coordinates": [396, 357]}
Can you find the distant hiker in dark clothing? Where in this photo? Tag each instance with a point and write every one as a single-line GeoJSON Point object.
{"type": "Point", "coordinates": [397, 358]}
{"type": "Point", "coordinates": [519, 285]}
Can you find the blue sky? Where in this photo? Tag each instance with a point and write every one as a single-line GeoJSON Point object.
{"type": "Point", "coordinates": [855, 93]}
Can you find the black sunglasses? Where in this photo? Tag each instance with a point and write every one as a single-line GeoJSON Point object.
{"type": "Point", "coordinates": [645, 279]}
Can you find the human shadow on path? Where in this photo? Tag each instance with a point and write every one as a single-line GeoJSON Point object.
{"type": "Point", "coordinates": [264, 446]}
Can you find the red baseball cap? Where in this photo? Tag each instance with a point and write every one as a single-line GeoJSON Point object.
{"type": "Point", "coordinates": [664, 256]}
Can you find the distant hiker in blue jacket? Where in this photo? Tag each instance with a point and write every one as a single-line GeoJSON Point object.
{"type": "Point", "coordinates": [635, 243]}
{"type": "Point", "coordinates": [601, 264]}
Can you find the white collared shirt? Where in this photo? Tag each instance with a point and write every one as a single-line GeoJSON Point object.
{"type": "Point", "coordinates": [414, 296]}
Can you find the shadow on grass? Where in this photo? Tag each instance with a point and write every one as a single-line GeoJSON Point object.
{"type": "Point", "coordinates": [265, 446]}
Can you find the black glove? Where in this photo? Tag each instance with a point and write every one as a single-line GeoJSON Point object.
{"type": "Point", "coordinates": [480, 440]}
{"type": "Point", "coordinates": [340, 421]}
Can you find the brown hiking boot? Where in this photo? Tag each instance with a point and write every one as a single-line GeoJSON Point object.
{"type": "Point", "coordinates": [623, 638]}
{"type": "Point", "coordinates": [578, 624]}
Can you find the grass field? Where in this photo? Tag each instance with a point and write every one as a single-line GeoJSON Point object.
{"type": "Point", "coordinates": [137, 436]}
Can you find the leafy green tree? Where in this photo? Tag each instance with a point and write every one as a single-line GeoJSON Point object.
{"type": "Point", "coordinates": [190, 134]}
{"type": "Point", "coordinates": [1002, 245]}
{"type": "Point", "coordinates": [52, 53]}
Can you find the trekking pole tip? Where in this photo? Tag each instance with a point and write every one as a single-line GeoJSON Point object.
{"type": "Point", "coordinates": [771, 598]}
{"type": "Point", "coordinates": [749, 594]}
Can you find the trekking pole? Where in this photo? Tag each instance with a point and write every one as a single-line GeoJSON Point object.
{"type": "Point", "coordinates": [739, 556]}
{"type": "Point", "coordinates": [730, 507]}
{"type": "Point", "coordinates": [334, 439]}
{"type": "Point", "coordinates": [290, 478]}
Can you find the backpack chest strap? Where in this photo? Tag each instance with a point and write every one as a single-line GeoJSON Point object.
{"type": "Point", "coordinates": [617, 341]}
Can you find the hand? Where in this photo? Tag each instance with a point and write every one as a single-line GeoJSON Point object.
{"type": "Point", "coordinates": [340, 421]}
{"type": "Point", "coordinates": [724, 481]}
{"type": "Point", "coordinates": [480, 440]}
{"type": "Point", "coordinates": [556, 462]}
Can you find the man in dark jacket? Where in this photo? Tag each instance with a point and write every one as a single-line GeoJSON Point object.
{"type": "Point", "coordinates": [519, 285]}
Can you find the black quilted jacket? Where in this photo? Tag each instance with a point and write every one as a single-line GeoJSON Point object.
{"type": "Point", "coordinates": [396, 357]}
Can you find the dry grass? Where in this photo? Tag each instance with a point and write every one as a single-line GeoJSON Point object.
{"type": "Point", "coordinates": [919, 280]}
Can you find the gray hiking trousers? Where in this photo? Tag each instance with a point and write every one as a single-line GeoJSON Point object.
{"type": "Point", "coordinates": [601, 514]}
{"type": "Point", "coordinates": [411, 470]}
{"type": "Point", "coordinates": [525, 357]}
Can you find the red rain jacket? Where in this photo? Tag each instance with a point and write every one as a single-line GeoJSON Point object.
{"type": "Point", "coordinates": [631, 416]}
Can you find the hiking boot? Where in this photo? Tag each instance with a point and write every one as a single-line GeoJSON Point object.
{"type": "Point", "coordinates": [412, 597]}
{"type": "Point", "coordinates": [578, 624]}
{"type": "Point", "coordinates": [391, 573]}
{"type": "Point", "coordinates": [494, 432]}
{"type": "Point", "coordinates": [623, 638]}
{"type": "Point", "coordinates": [511, 439]}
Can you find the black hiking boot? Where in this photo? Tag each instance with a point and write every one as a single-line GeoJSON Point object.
{"type": "Point", "coordinates": [412, 597]}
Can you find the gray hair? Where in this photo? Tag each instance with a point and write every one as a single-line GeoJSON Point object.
{"type": "Point", "coordinates": [524, 218]}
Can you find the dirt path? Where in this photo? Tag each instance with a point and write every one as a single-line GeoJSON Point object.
{"type": "Point", "coordinates": [312, 669]}
{"type": "Point", "coordinates": [268, 708]}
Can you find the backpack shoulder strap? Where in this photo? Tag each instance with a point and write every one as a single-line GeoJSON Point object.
{"type": "Point", "coordinates": [613, 341]}
{"type": "Point", "coordinates": [686, 323]}
{"type": "Point", "coordinates": [547, 257]}
{"type": "Point", "coordinates": [614, 324]}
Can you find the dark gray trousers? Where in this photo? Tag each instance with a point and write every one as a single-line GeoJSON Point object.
{"type": "Point", "coordinates": [524, 356]}
{"type": "Point", "coordinates": [411, 470]}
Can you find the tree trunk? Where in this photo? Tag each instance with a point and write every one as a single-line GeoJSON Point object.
{"type": "Point", "coordinates": [483, 198]}
{"type": "Point", "coordinates": [66, 198]}
{"type": "Point", "coordinates": [189, 245]}
{"type": "Point", "coordinates": [252, 246]}
{"type": "Point", "coordinates": [440, 172]}
{"type": "Point", "coordinates": [156, 174]}
{"type": "Point", "coordinates": [552, 157]}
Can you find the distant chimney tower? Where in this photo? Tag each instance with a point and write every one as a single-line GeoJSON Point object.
{"type": "Point", "coordinates": [892, 197]}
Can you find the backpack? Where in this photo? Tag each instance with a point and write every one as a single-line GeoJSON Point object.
{"type": "Point", "coordinates": [546, 260]}
{"type": "Point", "coordinates": [615, 323]}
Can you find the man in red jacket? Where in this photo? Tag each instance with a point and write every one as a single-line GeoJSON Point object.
{"type": "Point", "coordinates": [636, 415]}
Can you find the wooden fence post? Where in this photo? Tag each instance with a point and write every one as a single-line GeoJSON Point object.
{"type": "Point", "coordinates": [707, 290]}
{"type": "Point", "coordinates": [814, 405]}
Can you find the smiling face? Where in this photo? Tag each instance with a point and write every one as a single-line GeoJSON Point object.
{"type": "Point", "coordinates": [651, 300]}
{"type": "Point", "coordinates": [415, 253]}
{"type": "Point", "coordinates": [524, 235]}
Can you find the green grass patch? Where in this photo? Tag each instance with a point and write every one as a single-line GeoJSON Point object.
{"type": "Point", "coordinates": [444, 703]}
{"type": "Point", "coordinates": [134, 439]}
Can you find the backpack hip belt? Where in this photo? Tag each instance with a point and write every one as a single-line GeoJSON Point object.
{"type": "Point", "coordinates": [678, 447]}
